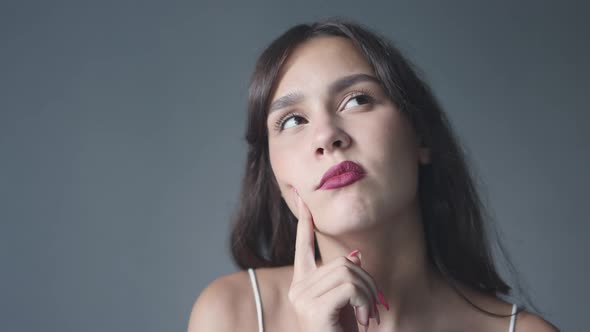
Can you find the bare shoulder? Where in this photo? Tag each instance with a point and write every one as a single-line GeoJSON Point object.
{"type": "Point", "coordinates": [525, 321]}
{"type": "Point", "coordinates": [224, 305]}
{"type": "Point", "coordinates": [530, 322]}
{"type": "Point", "coordinates": [273, 284]}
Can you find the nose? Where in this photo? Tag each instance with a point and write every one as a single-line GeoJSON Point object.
{"type": "Point", "coordinates": [328, 137]}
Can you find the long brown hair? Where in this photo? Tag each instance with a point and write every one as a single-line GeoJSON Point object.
{"type": "Point", "coordinates": [454, 218]}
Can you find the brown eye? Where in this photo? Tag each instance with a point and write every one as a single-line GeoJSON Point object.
{"type": "Point", "coordinates": [280, 124]}
{"type": "Point", "coordinates": [294, 117]}
{"type": "Point", "coordinates": [360, 99]}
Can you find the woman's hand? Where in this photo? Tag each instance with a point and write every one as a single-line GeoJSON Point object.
{"type": "Point", "coordinates": [324, 297]}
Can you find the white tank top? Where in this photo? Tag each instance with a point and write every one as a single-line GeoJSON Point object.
{"type": "Point", "coordinates": [259, 304]}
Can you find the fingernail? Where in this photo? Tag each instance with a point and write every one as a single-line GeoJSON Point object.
{"type": "Point", "coordinates": [354, 253]}
{"type": "Point", "coordinates": [382, 299]}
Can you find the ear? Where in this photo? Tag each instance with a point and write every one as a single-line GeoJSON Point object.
{"type": "Point", "coordinates": [424, 155]}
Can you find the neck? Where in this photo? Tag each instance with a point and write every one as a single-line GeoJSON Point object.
{"type": "Point", "coordinates": [394, 254]}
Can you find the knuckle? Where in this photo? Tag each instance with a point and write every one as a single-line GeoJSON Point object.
{"type": "Point", "coordinates": [300, 307]}
{"type": "Point", "coordinates": [294, 291]}
{"type": "Point", "coordinates": [312, 313]}
{"type": "Point", "coordinates": [342, 260]}
{"type": "Point", "coordinates": [346, 273]}
{"type": "Point", "coordinates": [307, 309]}
{"type": "Point", "coordinates": [315, 314]}
{"type": "Point", "coordinates": [343, 269]}
{"type": "Point", "coordinates": [350, 287]}
{"type": "Point", "coordinates": [349, 274]}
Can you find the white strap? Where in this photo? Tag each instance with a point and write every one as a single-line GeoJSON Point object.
{"type": "Point", "coordinates": [257, 298]}
{"type": "Point", "coordinates": [513, 319]}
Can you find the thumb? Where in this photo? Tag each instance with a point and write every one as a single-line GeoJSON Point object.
{"type": "Point", "coordinates": [355, 257]}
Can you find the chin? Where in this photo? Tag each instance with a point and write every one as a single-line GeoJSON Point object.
{"type": "Point", "coordinates": [343, 217]}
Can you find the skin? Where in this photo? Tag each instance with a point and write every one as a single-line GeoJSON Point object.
{"type": "Point", "coordinates": [378, 215]}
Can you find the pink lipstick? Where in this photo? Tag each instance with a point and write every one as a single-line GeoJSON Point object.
{"type": "Point", "coordinates": [341, 175]}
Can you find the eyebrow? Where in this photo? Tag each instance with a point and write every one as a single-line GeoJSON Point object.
{"type": "Point", "coordinates": [335, 87]}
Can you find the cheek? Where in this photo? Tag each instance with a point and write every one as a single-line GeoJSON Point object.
{"type": "Point", "coordinates": [383, 136]}
{"type": "Point", "coordinates": [282, 164]}
{"type": "Point", "coordinates": [286, 168]}
{"type": "Point", "coordinates": [396, 134]}
{"type": "Point", "coordinates": [402, 164]}
{"type": "Point", "coordinates": [393, 151]}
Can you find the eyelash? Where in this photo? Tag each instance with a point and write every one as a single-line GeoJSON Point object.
{"type": "Point", "coordinates": [359, 93]}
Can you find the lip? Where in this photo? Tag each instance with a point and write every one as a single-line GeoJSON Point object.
{"type": "Point", "coordinates": [341, 175]}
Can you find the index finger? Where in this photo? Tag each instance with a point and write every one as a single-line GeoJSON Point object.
{"type": "Point", "coordinates": [304, 243]}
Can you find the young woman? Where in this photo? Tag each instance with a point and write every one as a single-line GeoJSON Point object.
{"type": "Point", "coordinates": [357, 210]}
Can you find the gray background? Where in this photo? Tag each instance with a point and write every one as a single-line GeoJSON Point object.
{"type": "Point", "coordinates": [121, 126]}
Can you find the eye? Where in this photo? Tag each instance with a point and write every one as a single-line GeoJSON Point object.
{"type": "Point", "coordinates": [284, 121]}
{"type": "Point", "coordinates": [359, 98]}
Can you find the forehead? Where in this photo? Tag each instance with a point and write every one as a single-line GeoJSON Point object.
{"type": "Point", "coordinates": [318, 62]}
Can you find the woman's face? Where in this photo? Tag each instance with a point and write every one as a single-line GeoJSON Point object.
{"type": "Point", "coordinates": [335, 120]}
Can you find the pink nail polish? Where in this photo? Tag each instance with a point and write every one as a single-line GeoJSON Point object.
{"type": "Point", "coordinates": [353, 253]}
{"type": "Point", "coordinates": [382, 299]}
